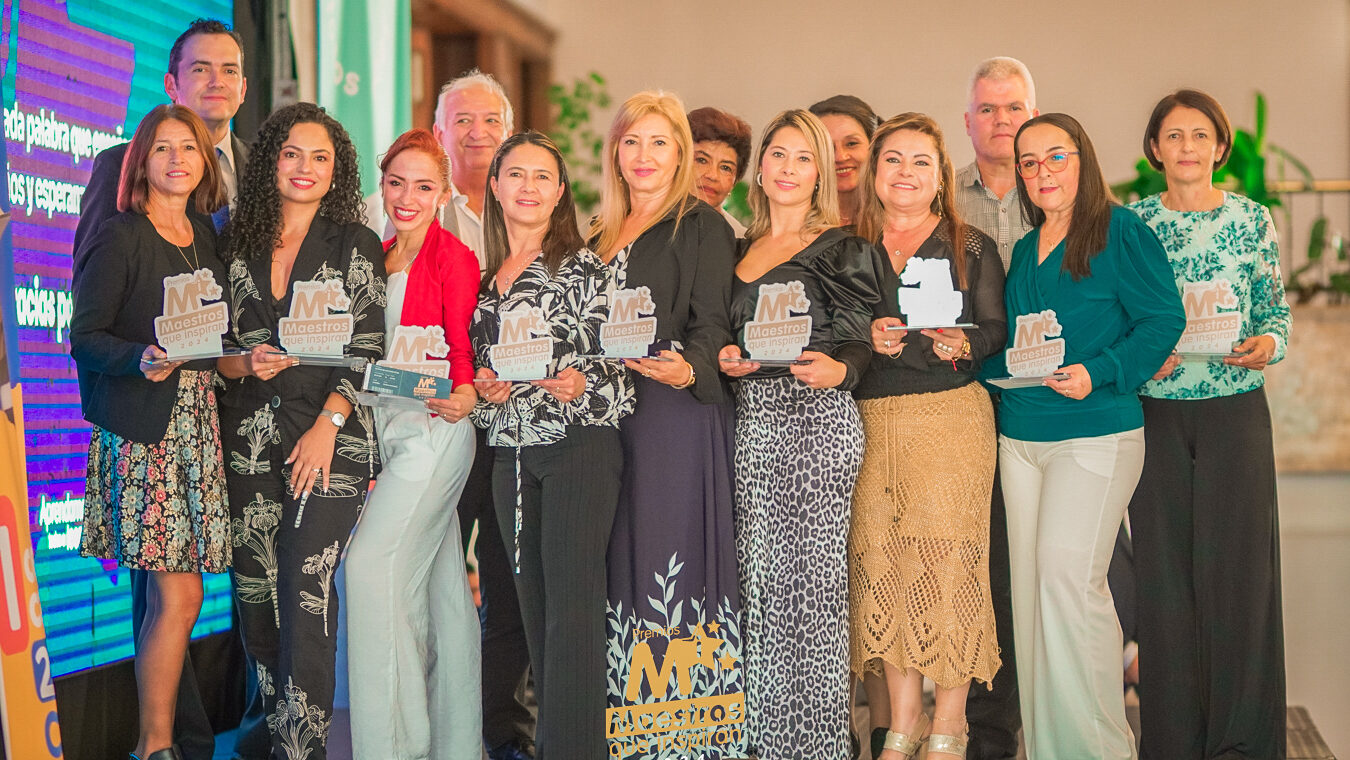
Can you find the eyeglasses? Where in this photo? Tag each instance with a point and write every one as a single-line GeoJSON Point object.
{"type": "Point", "coordinates": [1055, 162]}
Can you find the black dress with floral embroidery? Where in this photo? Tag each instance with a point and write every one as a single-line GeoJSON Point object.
{"type": "Point", "coordinates": [285, 560]}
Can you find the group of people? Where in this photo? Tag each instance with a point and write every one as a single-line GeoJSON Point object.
{"type": "Point", "coordinates": [792, 481]}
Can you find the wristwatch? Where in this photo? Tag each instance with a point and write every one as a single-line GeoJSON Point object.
{"type": "Point", "coordinates": [337, 418]}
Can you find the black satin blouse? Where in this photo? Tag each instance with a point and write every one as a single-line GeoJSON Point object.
{"type": "Point", "coordinates": [917, 369]}
{"type": "Point", "coordinates": [838, 274]}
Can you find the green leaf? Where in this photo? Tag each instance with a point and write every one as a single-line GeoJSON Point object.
{"type": "Point", "coordinates": [1298, 165]}
{"type": "Point", "coordinates": [1317, 239]}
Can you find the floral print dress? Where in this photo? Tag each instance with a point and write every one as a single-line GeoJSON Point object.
{"type": "Point", "coordinates": [162, 506]}
{"type": "Point", "coordinates": [286, 552]}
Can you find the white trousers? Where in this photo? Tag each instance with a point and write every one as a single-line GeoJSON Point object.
{"type": "Point", "coordinates": [1065, 501]}
{"type": "Point", "coordinates": [412, 629]}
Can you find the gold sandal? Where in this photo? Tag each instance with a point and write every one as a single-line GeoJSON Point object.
{"type": "Point", "coordinates": [908, 744]}
{"type": "Point", "coordinates": [949, 744]}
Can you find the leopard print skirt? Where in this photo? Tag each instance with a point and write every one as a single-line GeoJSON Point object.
{"type": "Point", "coordinates": [798, 451]}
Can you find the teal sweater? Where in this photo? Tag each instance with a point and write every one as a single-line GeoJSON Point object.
{"type": "Point", "coordinates": [1120, 322]}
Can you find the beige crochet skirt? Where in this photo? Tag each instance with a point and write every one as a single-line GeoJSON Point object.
{"type": "Point", "coordinates": [918, 551]}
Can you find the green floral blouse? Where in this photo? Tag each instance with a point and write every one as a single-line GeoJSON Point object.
{"type": "Point", "coordinates": [1236, 242]}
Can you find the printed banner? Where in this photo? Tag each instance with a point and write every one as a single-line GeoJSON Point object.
{"type": "Point", "coordinates": [27, 696]}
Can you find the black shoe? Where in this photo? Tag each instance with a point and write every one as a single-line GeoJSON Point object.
{"type": "Point", "coordinates": [168, 753]}
{"type": "Point", "coordinates": [517, 749]}
{"type": "Point", "coordinates": [854, 746]}
{"type": "Point", "coordinates": [878, 741]}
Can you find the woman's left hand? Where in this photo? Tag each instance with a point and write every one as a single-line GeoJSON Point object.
{"type": "Point", "coordinates": [312, 456]}
{"type": "Point", "coordinates": [567, 386]}
{"type": "Point", "coordinates": [672, 373]}
{"type": "Point", "coordinates": [822, 372]}
{"type": "Point", "coordinates": [947, 342]}
{"type": "Point", "coordinates": [1256, 352]}
{"type": "Point", "coordinates": [1076, 386]}
{"type": "Point", "coordinates": [156, 373]}
{"type": "Point", "coordinates": [455, 408]}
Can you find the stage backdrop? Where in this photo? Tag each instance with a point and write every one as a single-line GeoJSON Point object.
{"type": "Point", "coordinates": [77, 78]}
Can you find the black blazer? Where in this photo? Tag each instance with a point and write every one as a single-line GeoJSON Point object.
{"type": "Point", "coordinates": [99, 203]}
{"type": "Point", "coordinates": [688, 268]}
{"type": "Point", "coordinates": [116, 303]}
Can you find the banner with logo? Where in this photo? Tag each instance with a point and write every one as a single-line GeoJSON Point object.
{"type": "Point", "coordinates": [364, 70]}
{"type": "Point", "coordinates": [27, 694]}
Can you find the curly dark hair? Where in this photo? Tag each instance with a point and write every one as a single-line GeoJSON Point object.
{"type": "Point", "coordinates": [254, 228]}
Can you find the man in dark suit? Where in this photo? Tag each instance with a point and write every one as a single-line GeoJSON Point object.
{"type": "Point", "coordinates": [206, 74]}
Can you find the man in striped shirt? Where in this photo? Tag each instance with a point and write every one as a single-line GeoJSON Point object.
{"type": "Point", "coordinates": [1002, 98]}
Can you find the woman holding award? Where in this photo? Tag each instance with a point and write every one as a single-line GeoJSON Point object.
{"type": "Point", "coordinates": [1212, 628]}
{"type": "Point", "coordinates": [673, 541]}
{"type": "Point", "coordinates": [553, 419]}
{"type": "Point", "coordinates": [301, 453]}
{"type": "Point", "coordinates": [1092, 308]}
{"type": "Point", "coordinates": [919, 544]}
{"type": "Point", "coordinates": [802, 303]}
{"type": "Point", "coordinates": [414, 649]}
{"type": "Point", "coordinates": [155, 495]}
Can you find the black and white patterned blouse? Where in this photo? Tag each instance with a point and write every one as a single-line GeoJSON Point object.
{"type": "Point", "coordinates": [575, 303]}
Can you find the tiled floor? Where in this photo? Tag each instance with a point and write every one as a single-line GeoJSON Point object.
{"type": "Point", "coordinates": [1315, 546]}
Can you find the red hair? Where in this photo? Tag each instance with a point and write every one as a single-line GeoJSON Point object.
{"type": "Point", "coordinates": [421, 140]}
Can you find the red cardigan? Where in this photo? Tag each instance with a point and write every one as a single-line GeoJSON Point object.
{"type": "Point", "coordinates": [443, 290]}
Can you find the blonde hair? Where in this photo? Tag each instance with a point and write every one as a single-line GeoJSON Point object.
{"type": "Point", "coordinates": [615, 204]}
{"type": "Point", "coordinates": [824, 211]}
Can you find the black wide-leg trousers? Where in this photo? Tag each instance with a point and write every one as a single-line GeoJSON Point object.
{"type": "Point", "coordinates": [567, 492]}
{"type": "Point", "coordinates": [1207, 558]}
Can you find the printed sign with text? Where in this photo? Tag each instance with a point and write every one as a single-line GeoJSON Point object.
{"type": "Point", "coordinates": [518, 354]}
{"type": "Point", "coordinates": [631, 328]}
{"type": "Point", "coordinates": [1037, 350]}
{"type": "Point", "coordinates": [775, 333]}
{"type": "Point", "coordinates": [191, 327]}
{"type": "Point", "coordinates": [414, 348]}
{"type": "Point", "coordinates": [312, 329]}
{"type": "Point", "coordinates": [1213, 323]}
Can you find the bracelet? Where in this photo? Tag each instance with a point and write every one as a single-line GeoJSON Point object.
{"type": "Point", "coordinates": [690, 381]}
{"type": "Point", "coordinates": [965, 350]}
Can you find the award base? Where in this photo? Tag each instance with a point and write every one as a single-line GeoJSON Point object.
{"type": "Point", "coordinates": [1009, 383]}
{"type": "Point", "coordinates": [189, 357]}
{"type": "Point", "coordinates": [608, 358]}
{"type": "Point", "coordinates": [769, 362]}
{"type": "Point", "coordinates": [1207, 356]}
{"type": "Point", "coordinates": [315, 360]}
{"type": "Point", "coordinates": [917, 328]}
{"type": "Point", "coordinates": [391, 402]}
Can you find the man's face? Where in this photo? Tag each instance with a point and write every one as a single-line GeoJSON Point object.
{"type": "Point", "coordinates": [210, 78]}
{"type": "Point", "coordinates": [998, 107]}
{"type": "Point", "coordinates": [474, 125]}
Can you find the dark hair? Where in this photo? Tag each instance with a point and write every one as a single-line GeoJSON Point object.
{"type": "Point", "coordinates": [420, 139]}
{"type": "Point", "coordinates": [853, 107]}
{"type": "Point", "coordinates": [563, 239]}
{"type": "Point", "coordinates": [713, 125]}
{"type": "Point", "coordinates": [201, 26]}
{"type": "Point", "coordinates": [872, 215]}
{"type": "Point", "coordinates": [133, 186]}
{"type": "Point", "coordinates": [1200, 101]}
{"type": "Point", "coordinates": [254, 228]}
{"type": "Point", "coordinates": [1091, 213]}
